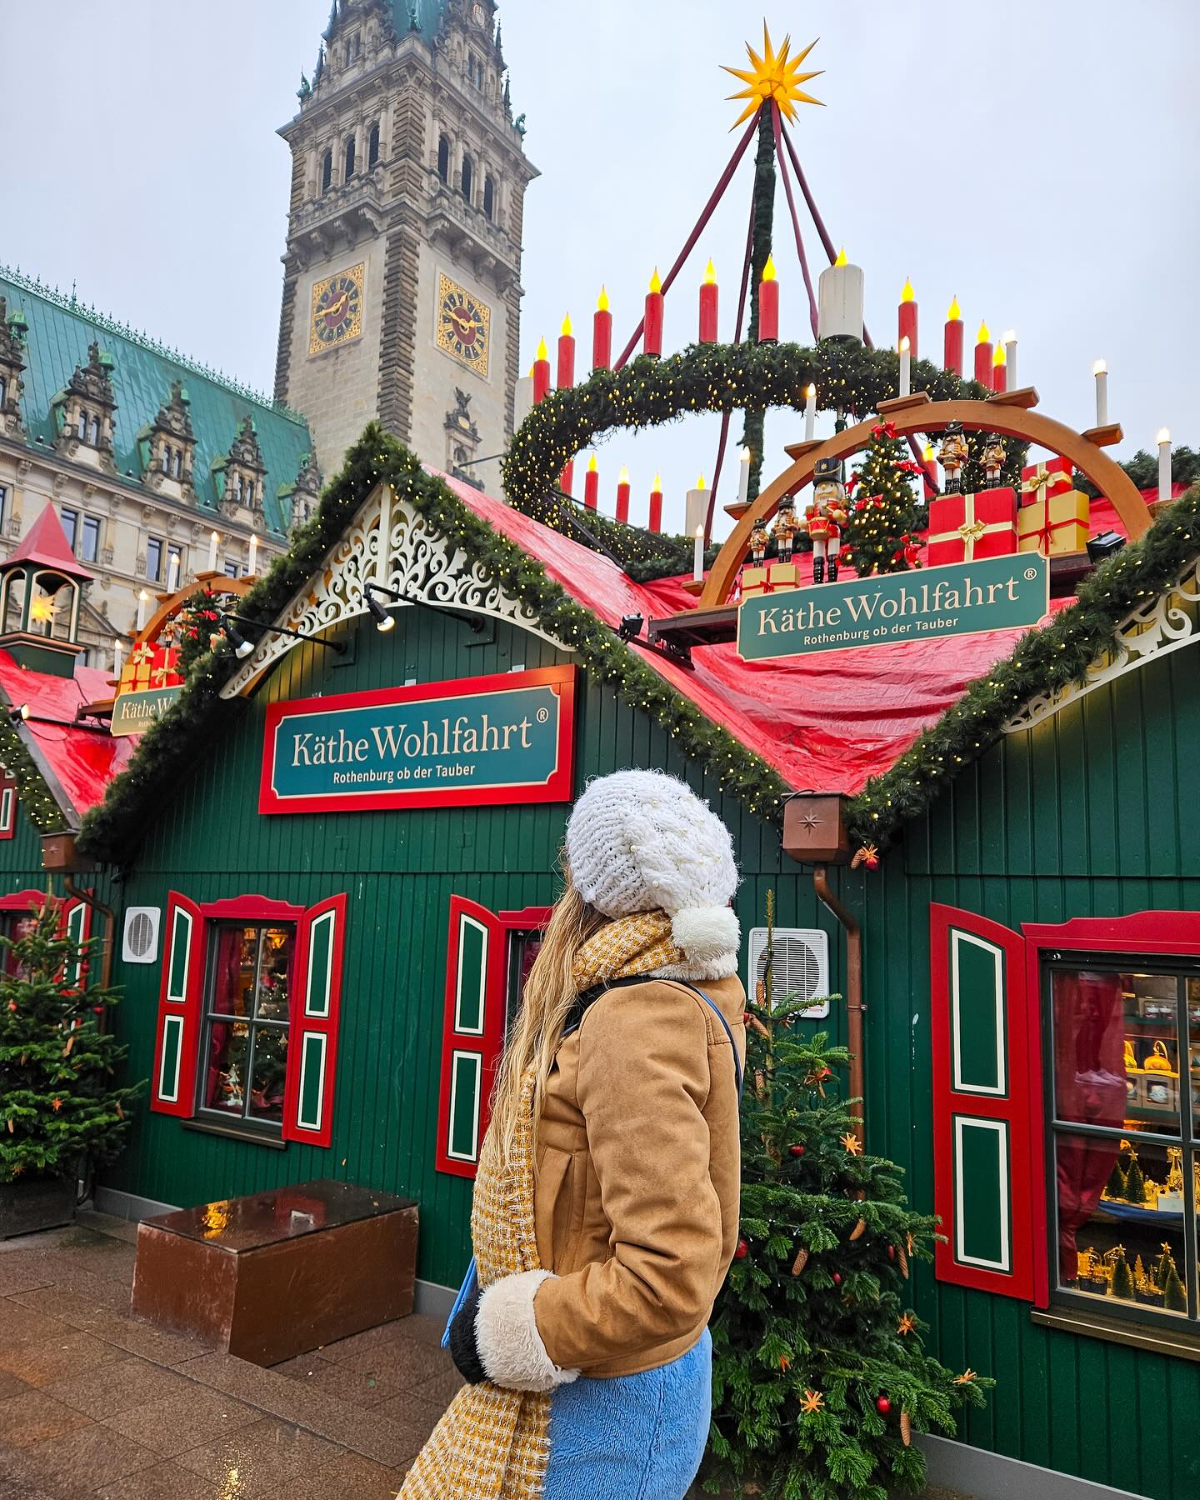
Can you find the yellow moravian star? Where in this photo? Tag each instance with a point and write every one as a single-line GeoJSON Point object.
{"type": "Point", "coordinates": [775, 76]}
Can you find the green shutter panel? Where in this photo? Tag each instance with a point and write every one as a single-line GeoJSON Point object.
{"type": "Point", "coordinates": [172, 1088]}
{"type": "Point", "coordinates": [986, 1106]}
{"type": "Point", "coordinates": [77, 926]}
{"type": "Point", "coordinates": [316, 1007]}
{"type": "Point", "coordinates": [472, 1032]}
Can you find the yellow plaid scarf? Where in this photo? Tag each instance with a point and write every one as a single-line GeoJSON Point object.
{"type": "Point", "coordinates": [626, 947]}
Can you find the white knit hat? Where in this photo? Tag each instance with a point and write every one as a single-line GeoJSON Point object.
{"type": "Point", "coordinates": [643, 841]}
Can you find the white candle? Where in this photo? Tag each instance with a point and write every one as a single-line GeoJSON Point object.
{"type": "Point", "coordinates": [1100, 371]}
{"type": "Point", "coordinates": [698, 559]}
{"type": "Point", "coordinates": [905, 367]}
{"type": "Point", "coordinates": [213, 542]}
{"type": "Point", "coordinates": [173, 573]}
{"type": "Point", "coordinates": [1010, 359]}
{"type": "Point", "coordinates": [840, 301]}
{"type": "Point", "coordinates": [696, 508]}
{"type": "Point", "coordinates": [1164, 464]}
{"type": "Point", "coordinates": [141, 609]}
{"type": "Point", "coordinates": [744, 477]}
{"type": "Point", "coordinates": [117, 659]}
{"type": "Point", "coordinates": [253, 554]}
{"type": "Point", "coordinates": [810, 413]}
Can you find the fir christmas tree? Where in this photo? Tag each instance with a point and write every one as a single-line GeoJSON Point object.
{"type": "Point", "coordinates": [880, 535]}
{"type": "Point", "coordinates": [1174, 1296]}
{"type": "Point", "coordinates": [820, 1377]}
{"type": "Point", "coordinates": [1165, 1268]}
{"type": "Point", "coordinates": [59, 1102]}
{"type": "Point", "coordinates": [1122, 1277]}
{"type": "Point", "coordinates": [1135, 1183]}
{"type": "Point", "coordinates": [1116, 1181]}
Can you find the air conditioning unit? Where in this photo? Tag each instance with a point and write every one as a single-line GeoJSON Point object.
{"type": "Point", "coordinates": [139, 944]}
{"type": "Point", "coordinates": [799, 960]}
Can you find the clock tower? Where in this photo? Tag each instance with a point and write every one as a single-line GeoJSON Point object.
{"type": "Point", "coordinates": [401, 291]}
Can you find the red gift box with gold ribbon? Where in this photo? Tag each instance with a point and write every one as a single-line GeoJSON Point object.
{"type": "Point", "coordinates": [1042, 482]}
{"type": "Point", "coordinates": [150, 667]}
{"type": "Point", "coordinates": [964, 527]}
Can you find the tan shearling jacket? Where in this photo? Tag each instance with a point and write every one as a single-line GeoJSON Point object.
{"type": "Point", "coordinates": [638, 1174]}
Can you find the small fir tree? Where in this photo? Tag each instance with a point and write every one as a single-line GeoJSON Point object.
{"type": "Point", "coordinates": [820, 1376]}
{"type": "Point", "coordinates": [1122, 1277]}
{"type": "Point", "coordinates": [1164, 1268]}
{"type": "Point", "coordinates": [1174, 1296]}
{"type": "Point", "coordinates": [57, 1096]}
{"type": "Point", "coordinates": [1116, 1181]}
{"type": "Point", "coordinates": [880, 534]}
{"type": "Point", "coordinates": [1135, 1183]}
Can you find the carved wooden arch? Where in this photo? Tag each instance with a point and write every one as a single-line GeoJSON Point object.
{"type": "Point", "coordinates": [169, 605]}
{"type": "Point", "coordinates": [929, 416]}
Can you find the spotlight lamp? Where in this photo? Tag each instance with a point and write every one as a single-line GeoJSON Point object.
{"type": "Point", "coordinates": [630, 627]}
{"type": "Point", "coordinates": [384, 621]}
{"type": "Point", "coordinates": [1104, 545]}
{"type": "Point", "coordinates": [242, 648]}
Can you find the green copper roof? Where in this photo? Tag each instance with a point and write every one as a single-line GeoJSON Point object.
{"type": "Point", "coordinates": [60, 330]}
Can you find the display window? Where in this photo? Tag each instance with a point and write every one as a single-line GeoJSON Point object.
{"type": "Point", "coordinates": [248, 1017]}
{"type": "Point", "coordinates": [8, 803]}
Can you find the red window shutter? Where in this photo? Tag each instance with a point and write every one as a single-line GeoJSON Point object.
{"type": "Point", "coordinates": [315, 1009]}
{"type": "Point", "coordinates": [472, 1032]}
{"type": "Point", "coordinates": [987, 1111]}
{"type": "Point", "coordinates": [173, 1087]}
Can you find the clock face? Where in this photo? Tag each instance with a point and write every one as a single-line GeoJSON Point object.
{"type": "Point", "coordinates": [463, 325]}
{"type": "Point", "coordinates": [337, 304]}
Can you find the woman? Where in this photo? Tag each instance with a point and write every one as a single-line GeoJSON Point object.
{"type": "Point", "coordinates": [606, 1205]}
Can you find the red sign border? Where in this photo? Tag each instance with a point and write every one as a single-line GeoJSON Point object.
{"type": "Point", "coordinates": [558, 788]}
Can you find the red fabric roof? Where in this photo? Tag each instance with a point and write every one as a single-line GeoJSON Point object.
{"type": "Point", "coordinates": [826, 723]}
{"type": "Point", "coordinates": [46, 543]}
{"type": "Point", "coordinates": [83, 757]}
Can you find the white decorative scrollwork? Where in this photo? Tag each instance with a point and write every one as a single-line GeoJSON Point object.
{"type": "Point", "coordinates": [421, 565]}
{"type": "Point", "coordinates": [1161, 625]}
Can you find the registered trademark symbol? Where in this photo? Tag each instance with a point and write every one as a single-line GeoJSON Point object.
{"type": "Point", "coordinates": [1030, 574]}
{"type": "Point", "coordinates": [542, 715]}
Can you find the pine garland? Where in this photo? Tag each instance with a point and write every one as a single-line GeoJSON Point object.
{"type": "Point", "coordinates": [112, 830]}
{"type": "Point", "coordinates": [35, 796]}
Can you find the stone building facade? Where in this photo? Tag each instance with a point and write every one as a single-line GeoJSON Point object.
{"type": "Point", "coordinates": [402, 291]}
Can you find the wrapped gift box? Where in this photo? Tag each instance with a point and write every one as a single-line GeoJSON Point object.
{"type": "Point", "coordinates": [769, 580]}
{"type": "Point", "coordinates": [1065, 531]}
{"type": "Point", "coordinates": [1045, 481]}
{"type": "Point", "coordinates": [149, 667]}
{"type": "Point", "coordinates": [964, 527]}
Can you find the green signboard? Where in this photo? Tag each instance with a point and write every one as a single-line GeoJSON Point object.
{"type": "Point", "coordinates": [507, 738]}
{"type": "Point", "coordinates": [133, 713]}
{"type": "Point", "coordinates": [993, 593]}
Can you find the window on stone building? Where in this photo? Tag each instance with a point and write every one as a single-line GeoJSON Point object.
{"type": "Point", "coordinates": [489, 197]}
{"type": "Point", "coordinates": [83, 424]}
{"type": "Point", "coordinates": [3, 390]}
{"type": "Point", "coordinates": [174, 563]}
{"type": "Point", "coordinates": [154, 559]}
{"type": "Point", "coordinates": [3, 504]}
{"type": "Point", "coordinates": [165, 463]}
{"type": "Point", "coordinates": [351, 150]}
{"type": "Point", "coordinates": [89, 539]}
{"type": "Point", "coordinates": [70, 525]}
{"type": "Point", "coordinates": [177, 464]}
{"type": "Point", "coordinates": [372, 153]}
{"type": "Point", "coordinates": [444, 158]}
{"type": "Point", "coordinates": [327, 171]}
{"type": "Point", "coordinates": [95, 432]}
{"type": "Point", "coordinates": [231, 568]}
{"type": "Point", "coordinates": [468, 177]}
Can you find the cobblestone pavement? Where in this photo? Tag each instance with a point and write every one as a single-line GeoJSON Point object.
{"type": "Point", "coordinates": [98, 1405]}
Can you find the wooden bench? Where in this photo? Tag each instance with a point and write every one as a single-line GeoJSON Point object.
{"type": "Point", "coordinates": [277, 1274]}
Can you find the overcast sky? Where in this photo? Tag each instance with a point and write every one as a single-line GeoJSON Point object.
{"type": "Point", "coordinates": [1038, 159]}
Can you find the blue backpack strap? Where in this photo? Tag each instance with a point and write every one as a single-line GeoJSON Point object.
{"type": "Point", "coordinates": [465, 1292]}
{"type": "Point", "coordinates": [720, 1015]}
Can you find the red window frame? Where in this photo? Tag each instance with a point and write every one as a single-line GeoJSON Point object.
{"type": "Point", "coordinates": [8, 803]}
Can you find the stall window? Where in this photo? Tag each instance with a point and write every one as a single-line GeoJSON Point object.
{"type": "Point", "coordinates": [8, 803]}
{"type": "Point", "coordinates": [248, 1016]}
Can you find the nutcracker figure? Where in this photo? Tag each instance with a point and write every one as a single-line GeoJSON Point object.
{"type": "Point", "coordinates": [758, 544]}
{"type": "Point", "coordinates": [783, 532]}
{"type": "Point", "coordinates": [994, 455]}
{"type": "Point", "coordinates": [952, 455]}
{"type": "Point", "coordinates": [825, 517]}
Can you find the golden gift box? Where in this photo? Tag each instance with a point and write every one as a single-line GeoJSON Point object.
{"type": "Point", "coordinates": [1063, 530]}
{"type": "Point", "coordinates": [769, 580]}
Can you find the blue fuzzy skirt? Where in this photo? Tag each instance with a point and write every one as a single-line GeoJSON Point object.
{"type": "Point", "coordinates": [634, 1437]}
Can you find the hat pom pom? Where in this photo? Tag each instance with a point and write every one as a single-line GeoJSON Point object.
{"type": "Point", "coordinates": [706, 932]}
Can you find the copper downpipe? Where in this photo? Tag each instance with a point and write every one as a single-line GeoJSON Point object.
{"type": "Point", "coordinates": [854, 1005]}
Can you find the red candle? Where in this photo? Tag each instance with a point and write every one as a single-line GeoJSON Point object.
{"type": "Point", "coordinates": [999, 369]}
{"type": "Point", "coordinates": [566, 378]}
{"type": "Point", "coordinates": [953, 357]}
{"type": "Point", "coordinates": [908, 318]}
{"type": "Point", "coordinates": [652, 333]}
{"type": "Point", "coordinates": [708, 306]}
{"type": "Point", "coordinates": [541, 373]}
{"type": "Point", "coordinates": [656, 504]}
{"type": "Point", "coordinates": [602, 334]}
{"type": "Point", "coordinates": [591, 484]}
{"type": "Point", "coordinates": [768, 305]}
{"type": "Point", "coordinates": [983, 357]}
{"type": "Point", "coordinates": [623, 496]}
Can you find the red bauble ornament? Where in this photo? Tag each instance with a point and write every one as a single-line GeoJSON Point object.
{"type": "Point", "coordinates": [743, 1249]}
{"type": "Point", "coordinates": [796, 1150]}
{"type": "Point", "coordinates": [98, 1009]}
{"type": "Point", "coordinates": [837, 1278]}
{"type": "Point", "coordinates": [883, 1406]}
{"type": "Point", "coordinates": [746, 1018]}
{"type": "Point", "coordinates": [891, 1252]}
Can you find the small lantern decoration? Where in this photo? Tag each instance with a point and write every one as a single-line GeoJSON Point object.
{"type": "Point", "coordinates": [824, 519]}
{"type": "Point", "coordinates": [952, 455]}
{"type": "Point", "coordinates": [994, 455]}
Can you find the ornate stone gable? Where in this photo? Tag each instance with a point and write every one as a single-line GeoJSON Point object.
{"type": "Point", "coordinates": [306, 492]}
{"type": "Point", "coordinates": [462, 438]}
{"type": "Point", "coordinates": [170, 447]}
{"type": "Point", "coordinates": [243, 473]}
{"type": "Point", "coordinates": [86, 412]}
{"type": "Point", "coordinates": [12, 362]}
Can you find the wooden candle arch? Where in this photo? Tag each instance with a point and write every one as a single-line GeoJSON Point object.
{"type": "Point", "coordinates": [914, 415]}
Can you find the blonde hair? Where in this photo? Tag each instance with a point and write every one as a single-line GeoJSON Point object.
{"type": "Point", "coordinates": [550, 994]}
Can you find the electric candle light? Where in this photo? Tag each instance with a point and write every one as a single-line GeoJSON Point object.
{"type": "Point", "coordinates": [602, 333]}
{"type": "Point", "coordinates": [810, 413]}
{"type": "Point", "coordinates": [1100, 371]}
{"type": "Point", "coordinates": [905, 367]}
{"type": "Point", "coordinates": [173, 573]}
{"type": "Point", "coordinates": [744, 476]}
{"type": "Point", "coordinates": [523, 399]}
{"type": "Point", "coordinates": [623, 496]}
{"type": "Point", "coordinates": [696, 510]}
{"type": "Point", "coordinates": [908, 317]}
{"type": "Point", "coordinates": [983, 356]}
{"type": "Point", "coordinates": [698, 556]}
{"type": "Point", "coordinates": [1164, 464]}
{"type": "Point", "coordinates": [141, 610]}
{"type": "Point", "coordinates": [253, 555]}
{"type": "Point", "coordinates": [1010, 359]}
{"type": "Point", "coordinates": [768, 305]}
{"type": "Point", "coordinates": [591, 484]}
{"type": "Point", "coordinates": [214, 541]}
{"type": "Point", "coordinates": [541, 373]}
{"type": "Point", "coordinates": [952, 359]}
{"type": "Point", "coordinates": [117, 659]}
{"type": "Point", "coordinates": [566, 379]}
{"type": "Point", "coordinates": [656, 498]}
{"type": "Point", "coordinates": [999, 369]}
{"type": "Point", "coordinates": [840, 293]}
{"type": "Point", "coordinates": [708, 305]}
{"type": "Point", "coordinates": [652, 332]}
